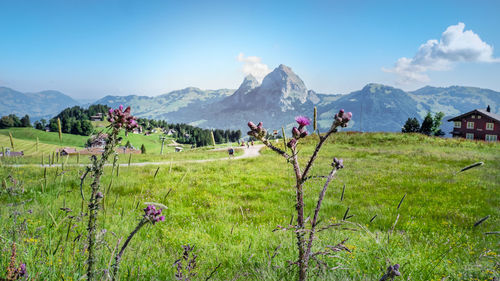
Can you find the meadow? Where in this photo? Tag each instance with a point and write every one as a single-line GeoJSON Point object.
{"type": "Point", "coordinates": [229, 209]}
{"type": "Point", "coordinates": [48, 143]}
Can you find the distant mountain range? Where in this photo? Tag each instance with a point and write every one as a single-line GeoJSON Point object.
{"type": "Point", "coordinates": [37, 105]}
{"type": "Point", "coordinates": [280, 97]}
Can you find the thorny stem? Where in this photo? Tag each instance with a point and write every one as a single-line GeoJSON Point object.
{"type": "Point", "coordinates": [301, 177]}
{"type": "Point", "coordinates": [94, 201]}
{"type": "Point", "coordinates": [322, 140]}
{"type": "Point", "coordinates": [316, 213]}
{"type": "Point", "coordinates": [118, 257]}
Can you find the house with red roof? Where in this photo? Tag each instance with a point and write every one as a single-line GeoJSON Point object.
{"type": "Point", "coordinates": [478, 124]}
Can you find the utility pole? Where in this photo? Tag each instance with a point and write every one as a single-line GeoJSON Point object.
{"type": "Point", "coordinates": [162, 138]}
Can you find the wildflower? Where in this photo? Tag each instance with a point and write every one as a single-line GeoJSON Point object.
{"type": "Point", "coordinates": [338, 163]}
{"type": "Point", "coordinates": [257, 131]}
{"type": "Point", "coordinates": [292, 143]}
{"type": "Point", "coordinates": [392, 271]}
{"type": "Point", "coordinates": [295, 132]}
{"type": "Point", "coordinates": [99, 195]}
{"type": "Point", "coordinates": [341, 119]}
{"type": "Point", "coordinates": [153, 215]}
{"type": "Point", "coordinates": [122, 119]}
{"type": "Point", "coordinates": [302, 121]}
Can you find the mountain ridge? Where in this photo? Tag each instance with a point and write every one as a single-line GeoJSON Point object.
{"type": "Point", "coordinates": [282, 95]}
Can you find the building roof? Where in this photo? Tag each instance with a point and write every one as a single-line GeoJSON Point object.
{"type": "Point", "coordinates": [491, 115]}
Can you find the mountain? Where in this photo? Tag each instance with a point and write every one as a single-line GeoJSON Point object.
{"type": "Point", "coordinates": [376, 107]}
{"type": "Point", "coordinates": [283, 95]}
{"type": "Point", "coordinates": [280, 97]}
{"type": "Point", "coordinates": [158, 107]}
{"type": "Point", "coordinates": [37, 105]}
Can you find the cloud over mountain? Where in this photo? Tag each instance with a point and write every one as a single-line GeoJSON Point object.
{"type": "Point", "coordinates": [253, 65]}
{"type": "Point", "coordinates": [455, 45]}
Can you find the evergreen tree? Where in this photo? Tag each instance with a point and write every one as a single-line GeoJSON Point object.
{"type": "Point", "coordinates": [427, 125]}
{"type": "Point", "coordinates": [38, 125]}
{"type": "Point", "coordinates": [143, 149]}
{"type": "Point", "coordinates": [25, 121]}
{"type": "Point", "coordinates": [411, 126]}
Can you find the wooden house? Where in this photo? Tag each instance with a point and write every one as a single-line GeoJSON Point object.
{"type": "Point", "coordinates": [478, 124]}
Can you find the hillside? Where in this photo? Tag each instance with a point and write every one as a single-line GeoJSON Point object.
{"type": "Point", "coordinates": [43, 104]}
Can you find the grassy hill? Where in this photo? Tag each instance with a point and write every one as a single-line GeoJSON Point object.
{"type": "Point", "coordinates": [228, 210]}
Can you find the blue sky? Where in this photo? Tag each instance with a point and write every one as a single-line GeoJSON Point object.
{"type": "Point", "coordinates": [89, 49]}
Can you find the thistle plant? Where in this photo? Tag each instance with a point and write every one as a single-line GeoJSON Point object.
{"type": "Point", "coordinates": [152, 214]}
{"type": "Point", "coordinates": [119, 119]}
{"type": "Point", "coordinates": [304, 241]}
{"type": "Point", "coordinates": [13, 272]}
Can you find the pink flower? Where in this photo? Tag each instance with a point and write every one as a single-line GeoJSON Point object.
{"type": "Point", "coordinates": [121, 107]}
{"type": "Point", "coordinates": [302, 121]}
{"type": "Point", "coordinates": [295, 132]}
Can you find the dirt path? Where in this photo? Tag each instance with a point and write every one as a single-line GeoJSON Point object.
{"type": "Point", "coordinates": [250, 152]}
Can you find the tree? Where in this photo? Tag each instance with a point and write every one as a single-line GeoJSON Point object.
{"type": "Point", "coordinates": [87, 128]}
{"type": "Point", "coordinates": [411, 126]}
{"type": "Point", "coordinates": [143, 149]}
{"type": "Point", "coordinates": [38, 125]}
{"type": "Point", "coordinates": [6, 122]}
{"type": "Point", "coordinates": [25, 121]}
{"type": "Point", "coordinates": [437, 121]}
{"type": "Point", "coordinates": [427, 124]}
{"type": "Point", "coordinates": [15, 119]}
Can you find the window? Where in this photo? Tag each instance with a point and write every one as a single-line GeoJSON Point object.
{"type": "Point", "coordinates": [479, 117]}
{"type": "Point", "coordinates": [457, 124]}
{"type": "Point", "coordinates": [469, 136]}
{"type": "Point", "coordinates": [470, 125]}
{"type": "Point", "coordinates": [489, 126]}
{"type": "Point", "coordinates": [490, 138]}
{"type": "Point", "coordinates": [473, 116]}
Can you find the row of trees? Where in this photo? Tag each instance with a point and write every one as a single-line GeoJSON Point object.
{"type": "Point", "coordinates": [188, 134]}
{"type": "Point", "coordinates": [430, 125]}
{"type": "Point", "coordinates": [12, 120]}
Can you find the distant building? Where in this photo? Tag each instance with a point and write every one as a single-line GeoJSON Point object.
{"type": "Point", "coordinates": [97, 117]}
{"type": "Point", "coordinates": [478, 124]}
{"type": "Point", "coordinates": [67, 151]}
{"type": "Point", "coordinates": [9, 153]}
{"type": "Point", "coordinates": [178, 149]}
{"type": "Point", "coordinates": [171, 132]}
{"type": "Point", "coordinates": [98, 140]}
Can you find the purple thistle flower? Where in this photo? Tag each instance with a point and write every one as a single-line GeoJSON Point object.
{"type": "Point", "coordinates": [295, 132]}
{"type": "Point", "coordinates": [99, 195]}
{"type": "Point", "coordinates": [121, 107]}
{"type": "Point", "coordinates": [338, 163]}
{"type": "Point", "coordinates": [153, 214]}
{"type": "Point", "coordinates": [302, 121]}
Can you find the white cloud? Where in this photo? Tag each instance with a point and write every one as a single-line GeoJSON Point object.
{"type": "Point", "coordinates": [253, 65]}
{"type": "Point", "coordinates": [455, 45]}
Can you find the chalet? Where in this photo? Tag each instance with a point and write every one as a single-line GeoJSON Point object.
{"type": "Point", "coordinates": [171, 132]}
{"type": "Point", "coordinates": [67, 151]}
{"type": "Point", "coordinates": [478, 124]}
{"type": "Point", "coordinates": [97, 117]}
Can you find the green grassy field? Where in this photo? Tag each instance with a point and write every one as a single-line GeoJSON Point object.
{"type": "Point", "coordinates": [25, 140]}
{"type": "Point", "coordinates": [228, 210]}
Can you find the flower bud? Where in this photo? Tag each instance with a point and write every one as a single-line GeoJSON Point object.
{"type": "Point", "coordinates": [295, 132]}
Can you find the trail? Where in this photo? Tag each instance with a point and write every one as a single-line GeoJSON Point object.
{"type": "Point", "coordinates": [252, 151]}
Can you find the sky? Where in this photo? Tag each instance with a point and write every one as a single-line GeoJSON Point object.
{"type": "Point", "coordinates": [88, 48]}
